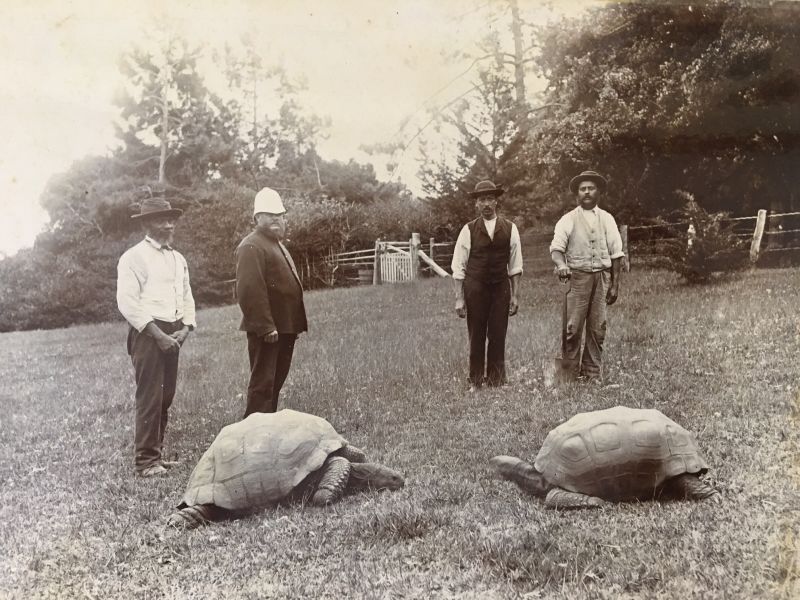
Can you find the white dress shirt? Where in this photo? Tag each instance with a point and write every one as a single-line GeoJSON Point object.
{"type": "Point", "coordinates": [153, 283]}
{"type": "Point", "coordinates": [464, 244]}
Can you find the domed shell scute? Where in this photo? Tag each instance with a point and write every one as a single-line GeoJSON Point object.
{"type": "Point", "coordinates": [573, 449]}
{"type": "Point", "coordinates": [261, 459]}
{"type": "Point", "coordinates": [618, 453]}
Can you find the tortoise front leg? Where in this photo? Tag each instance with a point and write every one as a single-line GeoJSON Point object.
{"type": "Point", "coordinates": [561, 498]}
{"type": "Point", "coordinates": [190, 517]}
{"type": "Point", "coordinates": [335, 473]}
{"type": "Point", "coordinates": [352, 453]}
{"type": "Point", "coordinates": [691, 487]}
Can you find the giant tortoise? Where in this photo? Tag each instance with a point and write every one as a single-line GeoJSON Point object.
{"type": "Point", "coordinates": [268, 458]}
{"type": "Point", "coordinates": [615, 454]}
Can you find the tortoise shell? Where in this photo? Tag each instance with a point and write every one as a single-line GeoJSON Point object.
{"type": "Point", "coordinates": [261, 459]}
{"type": "Point", "coordinates": [618, 453]}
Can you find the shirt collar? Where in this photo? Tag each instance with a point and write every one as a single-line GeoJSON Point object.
{"type": "Point", "coordinates": [156, 245]}
{"type": "Point", "coordinates": [492, 220]}
{"type": "Point", "coordinates": [591, 210]}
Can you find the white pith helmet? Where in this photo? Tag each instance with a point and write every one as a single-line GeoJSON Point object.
{"type": "Point", "coordinates": [268, 201]}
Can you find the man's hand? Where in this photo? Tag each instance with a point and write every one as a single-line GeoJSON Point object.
{"type": "Point", "coordinates": [461, 308]}
{"type": "Point", "coordinates": [513, 306]}
{"type": "Point", "coordinates": [611, 295]}
{"type": "Point", "coordinates": [181, 335]}
{"type": "Point", "coordinates": [167, 344]}
{"type": "Point", "coordinates": [271, 337]}
{"type": "Point", "coordinates": [564, 273]}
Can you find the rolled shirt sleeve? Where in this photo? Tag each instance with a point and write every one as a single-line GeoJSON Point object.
{"type": "Point", "coordinates": [461, 254]}
{"type": "Point", "coordinates": [129, 291]}
{"type": "Point", "coordinates": [561, 234]}
{"type": "Point", "coordinates": [613, 238]}
{"type": "Point", "coordinates": [515, 258]}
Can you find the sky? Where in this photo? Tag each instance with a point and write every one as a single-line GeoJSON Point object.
{"type": "Point", "coordinates": [371, 66]}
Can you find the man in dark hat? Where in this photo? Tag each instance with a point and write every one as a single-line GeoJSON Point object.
{"type": "Point", "coordinates": [587, 251]}
{"type": "Point", "coordinates": [154, 296]}
{"type": "Point", "coordinates": [487, 264]}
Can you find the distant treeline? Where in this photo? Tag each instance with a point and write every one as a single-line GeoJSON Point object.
{"type": "Point", "coordinates": [659, 97]}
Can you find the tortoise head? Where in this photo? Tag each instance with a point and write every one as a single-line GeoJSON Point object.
{"type": "Point", "coordinates": [522, 473]}
{"type": "Point", "coordinates": [374, 477]}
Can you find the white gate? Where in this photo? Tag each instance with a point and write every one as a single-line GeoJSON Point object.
{"type": "Point", "coordinates": [395, 265]}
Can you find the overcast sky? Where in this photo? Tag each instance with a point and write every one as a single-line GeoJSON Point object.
{"type": "Point", "coordinates": [369, 65]}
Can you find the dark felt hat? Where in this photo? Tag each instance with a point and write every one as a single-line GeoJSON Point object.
{"type": "Point", "coordinates": [156, 207]}
{"type": "Point", "coordinates": [487, 188]}
{"type": "Point", "coordinates": [599, 180]}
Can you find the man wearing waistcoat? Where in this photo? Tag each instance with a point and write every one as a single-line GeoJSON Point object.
{"type": "Point", "coordinates": [587, 251]}
{"type": "Point", "coordinates": [270, 296]}
{"type": "Point", "coordinates": [487, 264]}
{"type": "Point", "coordinates": [155, 297]}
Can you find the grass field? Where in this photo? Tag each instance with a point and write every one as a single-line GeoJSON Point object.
{"type": "Point", "coordinates": [387, 367]}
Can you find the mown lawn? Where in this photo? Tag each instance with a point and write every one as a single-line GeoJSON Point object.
{"type": "Point", "coordinates": [387, 367]}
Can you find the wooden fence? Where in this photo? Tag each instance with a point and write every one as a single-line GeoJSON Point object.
{"type": "Point", "coordinates": [398, 261]}
{"type": "Point", "coordinates": [768, 234]}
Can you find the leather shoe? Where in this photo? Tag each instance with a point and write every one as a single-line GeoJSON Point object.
{"type": "Point", "coordinates": [152, 471]}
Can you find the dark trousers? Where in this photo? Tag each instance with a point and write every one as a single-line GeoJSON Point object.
{"type": "Point", "coordinates": [269, 366]}
{"type": "Point", "coordinates": [487, 321]}
{"type": "Point", "coordinates": [156, 375]}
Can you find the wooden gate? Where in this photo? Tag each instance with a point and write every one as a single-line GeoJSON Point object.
{"type": "Point", "coordinates": [395, 264]}
{"type": "Point", "coordinates": [389, 262]}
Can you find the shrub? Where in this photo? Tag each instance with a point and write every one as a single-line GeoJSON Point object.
{"type": "Point", "coordinates": [704, 246]}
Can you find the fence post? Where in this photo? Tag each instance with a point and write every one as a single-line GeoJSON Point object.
{"type": "Point", "coordinates": [413, 248]}
{"type": "Point", "coordinates": [626, 261]}
{"type": "Point", "coordinates": [758, 233]}
{"type": "Point", "coordinates": [430, 254]}
{"type": "Point", "coordinates": [376, 264]}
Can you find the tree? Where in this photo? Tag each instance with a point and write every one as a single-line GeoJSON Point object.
{"type": "Point", "coordinates": [207, 156]}
{"type": "Point", "coordinates": [487, 138]}
{"type": "Point", "coordinates": [490, 125]}
{"type": "Point", "coordinates": [660, 96]}
{"type": "Point", "coordinates": [167, 103]}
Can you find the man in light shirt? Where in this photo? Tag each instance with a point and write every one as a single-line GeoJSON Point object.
{"type": "Point", "coordinates": [154, 296]}
{"type": "Point", "coordinates": [587, 251]}
{"type": "Point", "coordinates": [487, 264]}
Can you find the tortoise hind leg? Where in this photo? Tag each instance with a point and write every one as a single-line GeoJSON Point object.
{"type": "Point", "coordinates": [691, 487]}
{"type": "Point", "coordinates": [335, 473]}
{"type": "Point", "coordinates": [560, 498]}
{"type": "Point", "coordinates": [190, 517]}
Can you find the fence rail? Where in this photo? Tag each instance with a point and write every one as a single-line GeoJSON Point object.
{"type": "Point", "coordinates": [391, 261]}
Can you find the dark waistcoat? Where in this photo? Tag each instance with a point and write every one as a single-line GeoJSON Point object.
{"type": "Point", "coordinates": [488, 258]}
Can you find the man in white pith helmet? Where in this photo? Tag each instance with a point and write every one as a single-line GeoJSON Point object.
{"type": "Point", "coordinates": [270, 295]}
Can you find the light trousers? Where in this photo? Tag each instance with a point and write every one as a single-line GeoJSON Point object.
{"type": "Point", "coordinates": [586, 308]}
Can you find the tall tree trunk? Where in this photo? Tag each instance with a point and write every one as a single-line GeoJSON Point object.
{"type": "Point", "coordinates": [519, 58]}
{"type": "Point", "coordinates": [164, 123]}
{"type": "Point", "coordinates": [254, 75]}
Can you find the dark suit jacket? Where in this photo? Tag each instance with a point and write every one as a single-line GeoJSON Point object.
{"type": "Point", "coordinates": [267, 287]}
